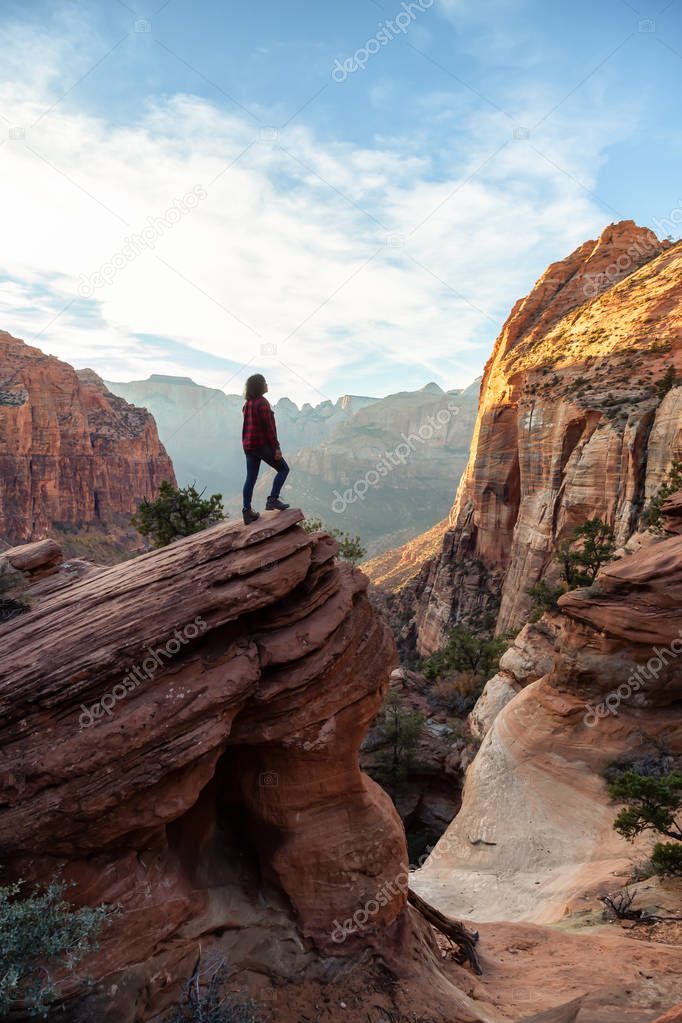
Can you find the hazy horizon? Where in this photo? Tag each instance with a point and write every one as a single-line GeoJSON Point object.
{"type": "Point", "coordinates": [345, 203]}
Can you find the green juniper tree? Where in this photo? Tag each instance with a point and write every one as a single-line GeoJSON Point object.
{"type": "Point", "coordinates": [591, 545]}
{"type": "Point", "coordinates": [653, 515]}
{"type": "Point", "coordinates": [402, 730]}
{"type": "Point", "coordinates": [652, 803]}
{"type": "Point", "coordinates": [177, 512]}
{"type": "Point", "coordinates": [350, 547]}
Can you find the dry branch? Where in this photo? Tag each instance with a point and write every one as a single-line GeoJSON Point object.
{"type": "Point", "coordinates": [455, 931]}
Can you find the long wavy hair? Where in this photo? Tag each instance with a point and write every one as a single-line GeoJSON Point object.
{"type": "Point", "coordinates": [255, 387]}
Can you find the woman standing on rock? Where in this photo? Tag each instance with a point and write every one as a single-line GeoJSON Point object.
{"type": "Point", "coordinates": [259, 439]}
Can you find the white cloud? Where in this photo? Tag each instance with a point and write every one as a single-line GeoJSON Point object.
{"type": "Point", "coordinates": [280, 247]}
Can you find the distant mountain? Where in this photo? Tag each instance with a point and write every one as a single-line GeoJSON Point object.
{"type": "Point", "coordinates": [202, 427]}
{"type": "Point", "coordinates": [333, 448]}
{"type": "Point", "coordinates": [389, 471]}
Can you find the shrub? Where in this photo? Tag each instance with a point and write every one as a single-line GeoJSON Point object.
{"type": "Point", "coordinates": [667, 858]}
{"type": "Point", "coordinates": [667, 382]}
{"type": "Point", "coordinates": [459, 695]}
{"type": "Point", "coordinates": [653, 516]}
{"type": "Point", "coordinates": [176, 513]}
{"type": "Point", "coordinates": [202, 1000]}
{"type": "Point", "coordinates": [591, 545]}
{"type": "Point", "coordinates": [40, 932]}
{"type": "Point", "coordinates": [467, 651]}
{"type": "Point", "coordinates": [402, 730]}
{"type": "Point", "coordinates": [543, 598]}
{"type": "Point", "coordinates": [351, 548]}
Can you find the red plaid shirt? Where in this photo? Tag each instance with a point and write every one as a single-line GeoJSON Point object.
{"type": "Point", "coordinates": [259, 430]}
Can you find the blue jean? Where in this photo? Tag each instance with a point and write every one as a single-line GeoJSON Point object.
{"type": "Point", "coordinates": [253, 461]}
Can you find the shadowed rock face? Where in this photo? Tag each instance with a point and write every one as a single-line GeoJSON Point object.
{"type": "Point", "coordinates": [570, 426]}
{"type": "Point", "coordinates": [182, 731]}
{"type": "Point", "coordinates": [70, 451]}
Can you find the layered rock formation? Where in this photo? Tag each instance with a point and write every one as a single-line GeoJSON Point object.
{"type": "Point", "coordinates": [535, 832]}
{"type": "Point", "coordinates": [70, 451]}
{"type": "Point", "coordinates": [528, 658]}
{"type": "Point", "coordinates": [570, 426]}
{"type": "Point", "coordinates": [182, 731]}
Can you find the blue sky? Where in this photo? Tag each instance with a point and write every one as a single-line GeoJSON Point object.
{"type": "Point", "coordinates": [190, 189]}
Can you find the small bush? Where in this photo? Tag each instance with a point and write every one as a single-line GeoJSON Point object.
{"type": "Point", "coordinates": [667, 382]}
{"type": "Point", "coordinates": [543, 598]}
{"type": "Point", "coordinates": [202, 1000]}
{"type": "Point", "coordinates": [667, 858]}
{"type": "Point", "coordinates": [40, 932]}
{"type": "Point", "coordinates": [351, 548]}
{"type": "Point", "coordinates": [457, 696]}
{"type": "Point", "coordinates": [176, 513]}
{"type": "Point", "coordinates": [653, 516]}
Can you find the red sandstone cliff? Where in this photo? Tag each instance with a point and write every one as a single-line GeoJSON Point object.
{"type": "Point", "coordinates": [218, 799]}
{"type": "Point", "coordinates": [569, 426]}
{"type": "Point", "coordinates": [70, 451]}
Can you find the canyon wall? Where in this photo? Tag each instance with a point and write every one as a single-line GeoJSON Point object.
{"type": "Point", "coordinates": [71, 453]}
{"type": "Point", "coordinates": [534, 838]}
{"type": "Point", "coordinates": [570, 426]}
{"type": "Point", "coordinates": [182, 732]}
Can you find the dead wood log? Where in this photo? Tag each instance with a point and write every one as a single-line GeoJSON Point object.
{"type": "Point", "coordinates": [455, 931]}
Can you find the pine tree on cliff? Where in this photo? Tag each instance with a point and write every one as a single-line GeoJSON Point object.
{"type": "Point", "coordinates": [652, 803]}
{"type": "Point", "coordinates": [591, 546]}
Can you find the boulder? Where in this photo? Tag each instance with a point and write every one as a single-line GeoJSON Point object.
{"type": "Point", "coordinates": [181, 731]}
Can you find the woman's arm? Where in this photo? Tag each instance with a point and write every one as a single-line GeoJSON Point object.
{"type": "Point", "coordinates": [270, 427]}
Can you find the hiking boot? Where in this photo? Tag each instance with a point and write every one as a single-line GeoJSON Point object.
{"type": "Point", "coordinates": [249, 515]}
{"type": "Point", "coordinates": [274, 504]}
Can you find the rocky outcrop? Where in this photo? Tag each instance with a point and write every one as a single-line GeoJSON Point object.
{"type": "Point", "coordinates": [535, 833]}
{"type": "Point", "coordinates": [570, 426]}
{"type": "Point", "coordinates": [182, 732]}
{"type": "Point", "coordinates": [70, 451]}
{"type": "Point", "coordinates": [529, 657]}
